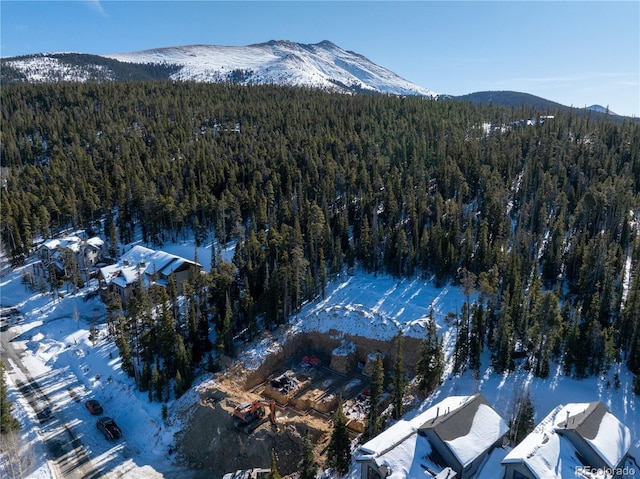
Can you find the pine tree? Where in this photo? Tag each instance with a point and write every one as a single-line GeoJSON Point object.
{"type": "Point", "coordinates": [273, 473]}
{"type": "Point", "coordinates": [308, 467]}
{"type": "Point", "coordinates": [111, 233]}
{"type": "Point", "coordinates": [503, 339]}
{"type": "Point", "coordinates": [374, 421]}
{"type": "Point", "coordinates": [461, 353]}
{"type": "Point", "coordinates": [431, 362]}
{"type": "Point", "coordinates": [339, 450]}
{"type": "Point", "coordinates": [399, 381]}
{"type": "Point", "coordinates": [164, 412]}
{"type": "Point", "coordinates": [227, 327]}
{"type": "Point", "coordinates": [7, 422]}
{"type": "Point", "coordinates": [145, 377]}
{"type": "Point", "coordinates": [476, 338]}
{"type": "Point", "coordinates": [156, 387]}
{"type": "Point", "coordinates": [545, 331]}
{"type": "Point", "coordinates": [524, 420]}
{"type": "Point", "coordinates": [179, 387]}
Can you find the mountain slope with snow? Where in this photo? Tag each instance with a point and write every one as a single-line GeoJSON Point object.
{"type": "Point", "coordinates": [322, 65]}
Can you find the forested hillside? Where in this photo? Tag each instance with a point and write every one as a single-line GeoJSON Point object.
{"type": "Point", "coordinates": [541, 221]}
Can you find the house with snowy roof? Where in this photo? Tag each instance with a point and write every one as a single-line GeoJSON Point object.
{"type": "Point", "coordinates": [572, 438]}
{"type": "Point", "coordinates": [92, 251]}
{"type": "Point", "coordinates": [150, 266]}
{"type": "Point", "coordinates": [449, 440]}
{"type": "Point", "coordinates": [58, 256]}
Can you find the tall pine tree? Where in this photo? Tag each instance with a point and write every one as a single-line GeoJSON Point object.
{"type": "Point", "coordinates": [273, 472]}
{"type": "Point", "coordinates": [339, 451]}
{"type": "Point", "coordinates": [308, 466]}
{"type": "Point", "coordinates": [374, 421]}
{"type": "Point", "coordinates": [399, 381]}
{"type": "Point", "coordinates": [524, 419]}
{"type": "Point", "coordinates": [431, 361]}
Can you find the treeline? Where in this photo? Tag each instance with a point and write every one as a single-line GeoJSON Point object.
{"type": "Point", "coordinates": [539, 223]}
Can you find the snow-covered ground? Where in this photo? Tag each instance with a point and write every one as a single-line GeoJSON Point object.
{"type": "Point", "coordinates": [70, 368]}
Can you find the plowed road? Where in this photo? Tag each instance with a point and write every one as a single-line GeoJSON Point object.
{"type": "Point", "coordinates": [68, 457]}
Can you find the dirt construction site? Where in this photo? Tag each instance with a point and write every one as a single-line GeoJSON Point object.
{"type": "Point", "coordinates": [306, 384]}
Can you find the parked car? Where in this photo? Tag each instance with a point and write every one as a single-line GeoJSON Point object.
{"type": "Point", "coordinates": [94, 406]}
{"type": "Point", "coordinates": [109, 428]}
{"type": "Point", "coordinates": [44, 414]}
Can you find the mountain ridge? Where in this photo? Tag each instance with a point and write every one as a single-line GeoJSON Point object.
{"type": "Point", "coordinates": [515, 99]}
{"type": "Point", "coordinates": [322, 65]}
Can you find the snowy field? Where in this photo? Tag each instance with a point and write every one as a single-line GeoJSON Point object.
{"type": "Point", "coordinates": [70, 368]}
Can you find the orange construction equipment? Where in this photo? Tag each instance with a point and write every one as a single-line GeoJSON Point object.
{"type": "Point", "coordinates": [249, 415]}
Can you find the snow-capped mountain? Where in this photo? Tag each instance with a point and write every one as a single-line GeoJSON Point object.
{"type": "Point", "coordinates": [322, 65]}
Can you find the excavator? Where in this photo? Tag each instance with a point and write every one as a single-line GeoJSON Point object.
{"type": "Point", "coordinates": [250, 415]}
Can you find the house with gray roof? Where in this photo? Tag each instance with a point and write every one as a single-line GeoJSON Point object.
{"type": "Point", "coordinates": [572, 438]}
{"type": "Point", "coordinates": [450, 439]}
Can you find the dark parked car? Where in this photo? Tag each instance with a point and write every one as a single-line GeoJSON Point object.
{"type": "Point", "coordinates": [94, 406]}
{"type": "Point", "coordinates": [109, 428]}
{"type": "Point", "coordinates": [44, 414]}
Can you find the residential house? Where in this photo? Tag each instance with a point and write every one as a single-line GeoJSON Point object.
{"type": "Point", "coordinates": [59, 256]}
{"type": "Point", "coordinates": [448, 440]}
{"type": "Point", "coordinates": [152, 267]}
{"type": "Point", "coordinates": [572, 438]}
{"type": "Point", "coordinates": [92, 252]}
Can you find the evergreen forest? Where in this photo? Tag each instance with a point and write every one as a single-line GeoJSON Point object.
{"type": "Point", "coordinates": [536, 221]}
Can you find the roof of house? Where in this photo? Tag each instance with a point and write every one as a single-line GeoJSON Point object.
{"type": "Point", "coordinates": [72, 243]}
{"type": "Point", "coordinates": [141, 261]}
{"type": "Point", "coordinates": [607, 436]}
{"type": "Point", "coordinates": [407, 453]}
{"type": "Point", "coordinates": [468, 430]}
{"type": "Point", "coordinates": [69, 242]}
{"type": "Point", "coordinates": [174, 265]}
{"type": "Point", "coordinates": [95, 242]}
{"type": "Point", "coordinates": [549, 453]}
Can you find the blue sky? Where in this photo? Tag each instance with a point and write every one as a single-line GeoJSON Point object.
{"type": "Point", "coordinates": [574, 52]}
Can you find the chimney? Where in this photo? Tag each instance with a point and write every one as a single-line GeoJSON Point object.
{"type": "Point", "coordinates": [567, 423]}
